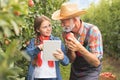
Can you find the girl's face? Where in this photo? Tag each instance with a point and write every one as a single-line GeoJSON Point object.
{"type": "Point", "coordinates": [46, 28]}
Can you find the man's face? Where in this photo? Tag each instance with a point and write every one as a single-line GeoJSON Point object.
{"type": "Point", "coordinates": [67, 25]}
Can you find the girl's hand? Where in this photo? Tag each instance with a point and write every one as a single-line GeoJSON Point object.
{"type": "Point", "coordinates": [40, 47]}
{"type": "Point", "coordinates": [59, 54]}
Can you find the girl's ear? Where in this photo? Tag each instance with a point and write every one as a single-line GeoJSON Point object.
{"type": "Point", "coordinates": [37, 30]}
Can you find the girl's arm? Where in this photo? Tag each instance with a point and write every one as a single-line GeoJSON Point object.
{"type": "Point", "coordinates": [31, 49]}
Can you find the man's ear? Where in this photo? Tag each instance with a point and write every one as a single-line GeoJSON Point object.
{"type": "Point", "coordinates": [74, 20]}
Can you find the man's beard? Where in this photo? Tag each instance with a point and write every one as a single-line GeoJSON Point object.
{"type": "Point", "coordinates": [69, 29]}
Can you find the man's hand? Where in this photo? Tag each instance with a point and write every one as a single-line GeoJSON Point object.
{"type": "Point", "coordinates": [73, 44]}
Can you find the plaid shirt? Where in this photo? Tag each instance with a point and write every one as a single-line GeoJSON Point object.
{"type": "Point", "coordinates": [92, 35]}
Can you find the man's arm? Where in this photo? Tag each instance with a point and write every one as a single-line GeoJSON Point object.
{"type": "Point", "coordinates": [89, 57]}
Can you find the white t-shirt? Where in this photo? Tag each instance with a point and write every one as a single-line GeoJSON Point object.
{"type": "Point", "coordinates": [44, 71]}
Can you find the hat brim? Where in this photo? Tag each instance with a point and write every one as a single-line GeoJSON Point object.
{"type": "Point", "coordinates": [56, 15]}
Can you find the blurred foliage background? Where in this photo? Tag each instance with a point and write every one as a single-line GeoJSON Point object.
{"type": "Point", "coordinates": [16, 29]}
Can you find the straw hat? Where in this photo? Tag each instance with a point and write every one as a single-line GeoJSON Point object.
{"type": "Point", "coordinates": [67, 10]}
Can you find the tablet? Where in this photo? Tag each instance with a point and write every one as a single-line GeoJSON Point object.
{"type": "Point", "coordinates": [49, 47]}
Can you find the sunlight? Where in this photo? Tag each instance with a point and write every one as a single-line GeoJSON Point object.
{"type": "Point", "coordinates": [83, 4]}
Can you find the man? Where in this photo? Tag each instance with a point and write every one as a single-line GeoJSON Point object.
{"type": "Point", "coordinates": [83, 41]}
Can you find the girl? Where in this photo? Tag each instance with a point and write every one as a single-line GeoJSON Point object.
{"type": "Point", "coordinates": [38, 66]}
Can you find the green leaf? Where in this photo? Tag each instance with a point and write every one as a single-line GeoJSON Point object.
{"type": "Point", "coordinates": [15, 27]}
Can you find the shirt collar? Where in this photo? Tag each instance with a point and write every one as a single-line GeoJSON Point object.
{"type": "Point", "coordinates": [81, 27]}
